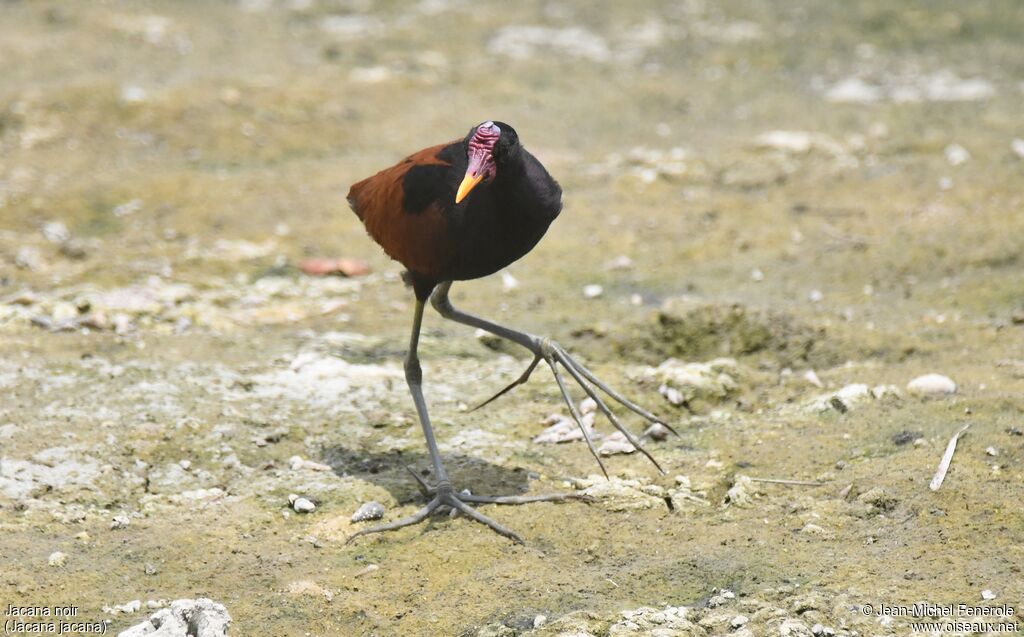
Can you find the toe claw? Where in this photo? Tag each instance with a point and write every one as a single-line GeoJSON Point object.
{"type": "Point", "coordinates": [525, 376]}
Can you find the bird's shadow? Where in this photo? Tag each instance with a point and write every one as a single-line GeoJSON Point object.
{"type": "Point", "coordinates": [391, 471]}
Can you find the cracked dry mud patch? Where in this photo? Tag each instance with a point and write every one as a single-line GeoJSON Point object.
{"type": "Point", "coordinates": [776, 218]}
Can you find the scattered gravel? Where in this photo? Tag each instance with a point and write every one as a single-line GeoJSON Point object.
{"type": "Point", "coordinates": [681, 382]}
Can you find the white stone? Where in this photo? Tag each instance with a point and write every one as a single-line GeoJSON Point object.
{"type": "Point", "coordinates": [508, 282]}
{"type": "Point", "coordinates": [956, 154]}
{"type": "Point", "coordinates": [592, 291]}
{"type": "Point", "coordinates": [368, 511]}
{"type": "Point", "coordinates": [932, 385]}
{"type": "Point", "coordinates": [812, 377]}
{"type": "Point", "coordinates": [186, 617]}
{"type": "Point", "coordinates": [565, 429]}
{"type": "Point", "coordinates": [1017, 146]}
{"type": "Point", "coordinates": [57, 559]}
{"type": "Point", "coordinates": [120, 521]}
{"type": "Point", "coordinates": [301, 504]}
{"type": "Point", "coordinates": [741, 493]}
{"type": "Point", "coordinates": [682, 382]}
{"type": "Point", "coordinates": [853, 90]}
{"type": "Point", "coordinates": [614, 444]}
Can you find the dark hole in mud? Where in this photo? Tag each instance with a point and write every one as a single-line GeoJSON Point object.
{"type": "Point", "coordinates": [688, 329]}
{"type": "Point", "coordinates": [691, 329]}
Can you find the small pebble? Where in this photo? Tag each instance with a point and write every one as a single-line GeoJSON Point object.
{"type": "Point", "coordinates": [57, 559]}
{"type": "Point", "coordinates": [296, 463]}
{"type": "Point", "coordinates": [56, 232]}
{"type": "Point", "coordinates": [988, 594]}
{"type": "Point", "coordinates": [756, 275]}
{"type": "Point", "coordinates": [369, 511]}
{"type": "Point", "coordinates": [739, 621]}
{"type": "Point", "coordinates": [120, 522]}
{"type": "Point", "coordinates": [932, 385]}
{"type": "Point", "coordinates": [956, 154]}
{"type": "Point", "coordinates": [592, 291]}
{"type": "Point", "coordinates": [815, 296]}
{"type": "Point", "coordinates": [812, 377]}
{"type": "Point", "coordinates": [539, 621]}
{"type": "Point", "coordinates": [29, 258]}
{"type": "Point", "coordinates": [992, 451]}
{"type": "Point", "coordinates": [588, 405]}
{"type": "Point", "coordinates": [508, 282]}
{"type": "Point", "coordinates": [370, 568]}
{"type": "Point", "coordinates": [1017, 146]}
{"type": "Point", "coordinates": [149, 569]}
{"type": "Point", "coordinates": [133, 95]}
{"type": "Point", "coordinates": [301, 504]}
{"type": "Point", "coordinates": [614, 444]}
{"type": "Point", "coordinates": [657, 431]}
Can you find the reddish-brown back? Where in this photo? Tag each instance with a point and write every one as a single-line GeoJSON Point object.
{"type": "Point", "coordinates": [419, 241]}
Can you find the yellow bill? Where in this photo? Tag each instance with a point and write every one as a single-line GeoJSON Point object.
{"type": "Point", "coordinates": [469, 182]}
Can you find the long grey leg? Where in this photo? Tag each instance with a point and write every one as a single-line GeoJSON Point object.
{"type": "Point", "coordinates": [414, 378]}
{"type": "Point", "coordinates": [439, 299]}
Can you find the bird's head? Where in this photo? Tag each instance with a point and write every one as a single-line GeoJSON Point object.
{"type": "Point", "coordinates": [488, 146]}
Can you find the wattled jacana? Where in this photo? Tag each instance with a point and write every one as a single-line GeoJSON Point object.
{"type": "Point", "coordinates": [460, 211]}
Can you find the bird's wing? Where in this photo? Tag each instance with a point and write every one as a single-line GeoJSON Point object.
{"type": "Point", "coordinates": [403, 208]}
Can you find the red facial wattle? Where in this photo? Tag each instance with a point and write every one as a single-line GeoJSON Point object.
{"type": "Point", "coordinates": [480, 158]}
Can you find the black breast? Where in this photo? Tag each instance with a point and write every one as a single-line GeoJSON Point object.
{"type": "Point", "coordinates": [501, 221]}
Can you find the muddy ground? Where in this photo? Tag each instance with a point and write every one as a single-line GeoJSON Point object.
{"type": "Point", "coordinates": [800, 186]}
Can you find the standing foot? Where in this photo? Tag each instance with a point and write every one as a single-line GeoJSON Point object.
{"type": "Point", "coordinates": [444, 497]}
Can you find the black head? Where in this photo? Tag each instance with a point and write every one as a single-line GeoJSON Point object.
{"type": "Point", "coordinates": [488, 146]}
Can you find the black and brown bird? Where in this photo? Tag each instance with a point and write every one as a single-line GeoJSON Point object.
{"type": "Point", "coordinates": [460, 211]}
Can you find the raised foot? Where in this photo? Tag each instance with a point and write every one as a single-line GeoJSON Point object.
{"type": "Point", "coordinates": [555, 356]}
{"type": "Point", "coordinates": [446, 498]}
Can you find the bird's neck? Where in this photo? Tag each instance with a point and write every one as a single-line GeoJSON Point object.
{"type": "Point", "coordinates": [525, 187]}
